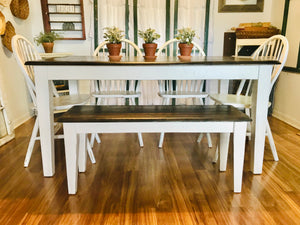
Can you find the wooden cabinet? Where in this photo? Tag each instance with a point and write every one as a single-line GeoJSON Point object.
{"type": "Point", "coordinates": [65, 17]}
{"type": "Point", "coordinates": [242, 47]}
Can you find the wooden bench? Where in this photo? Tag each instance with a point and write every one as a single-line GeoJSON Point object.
{"type": "Point", "coordinates": [80, 120]}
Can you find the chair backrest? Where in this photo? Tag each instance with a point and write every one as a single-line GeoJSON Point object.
{"type": "Point", "coordinates": [128, 48]}
{"type": "Point", "coordinates": [276, 47]}
{"type": "Point", "coordinates": [180, 85]}
{"type": "Point", "coordinates": [24, 51]}
{"type": "Point", "coordinates": [173, 45]}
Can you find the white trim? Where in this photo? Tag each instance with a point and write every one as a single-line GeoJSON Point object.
{"type": "Point", "coordinates": [287, 119]}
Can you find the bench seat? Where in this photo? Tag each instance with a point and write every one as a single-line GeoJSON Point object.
{"type": "Point", "coordinates": [85, 119]}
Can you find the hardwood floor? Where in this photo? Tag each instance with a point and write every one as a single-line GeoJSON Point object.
{"type": "Point", "coordinates": [128, 185]}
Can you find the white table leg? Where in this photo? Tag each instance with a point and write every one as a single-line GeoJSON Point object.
{"type": "Point", "coordinates": [44, 106]}
{"type": "Point", "coordinates": [259, 115]}
{"type": "Point", "coordinates": [224, 145]}
{"type": "Point", "coordinates": [239, 138]}
{"type": "Point", "coordinates": [82, 152]}
{"type": "Point", "coordinates": [71, 152]}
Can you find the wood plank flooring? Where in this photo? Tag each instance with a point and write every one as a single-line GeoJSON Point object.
{"type": "Point", "coordinates": [130, 185]}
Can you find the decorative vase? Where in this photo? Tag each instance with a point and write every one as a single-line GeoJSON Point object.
{"type": "Point", "coordinates": [114, 49]}
{"type": "Point", "coordinates": [185, 49]}
{"type": "Point", "coordinates": [48, 47]}
{"type": "Point", "coordinates": [150, 50]}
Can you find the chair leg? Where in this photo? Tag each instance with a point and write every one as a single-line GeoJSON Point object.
{"type": "Point", "coordinates": [209, 142]}
{"type": "Point", "coordinates": [161, 139]}
{"type": "Point", "coordinates": [200, 138]}
{"type": "Point", "coordinates": [31, 142]}
{"type": "Point", "coordinates": [97, 138]}
{"type": "Point", "coordinates": [140, 139]}
{"type": "Point", "coordinates": [216, 156]}
{"type": "Point", "coordinates": [271, 141]}
{"type": "Point", "coordinates": [90, 151]}
{"type": "Point", "coordinates": [93, 137]}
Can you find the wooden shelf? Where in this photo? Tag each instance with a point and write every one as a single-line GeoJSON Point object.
{"type": "Point", "coordinates": [53, 16]}
{"type": "Point", "coordinates": [60, 13]}
{"type": "Point", "coordinates": [64, 21]}
{"type": "Point", "coordinates": [64, 30]}
{"type": "Point", "coordinates": [63, 4]}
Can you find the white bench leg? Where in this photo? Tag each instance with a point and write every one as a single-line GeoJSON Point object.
{"type": "Point", "coordinates": [239, 138]}
{"type": "Point", "coordinates": [224, 145]}
{"type": "Point", "coordinates": [71, 152]}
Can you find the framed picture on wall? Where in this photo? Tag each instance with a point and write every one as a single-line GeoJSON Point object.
{"type": "Point", "coordinates": [241, 6]}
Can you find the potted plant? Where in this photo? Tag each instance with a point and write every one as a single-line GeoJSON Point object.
{"type": "Point", "coordinates": [149, 36]}
{"type": "Point", "coordinates": [185, 37]}
{"type": "Point", "coordinates": [47, 40]}
{"type": "Point", "coordinates": [113, 36]}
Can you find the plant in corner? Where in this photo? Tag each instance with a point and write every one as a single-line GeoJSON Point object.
{"type": "Point", "coordinates": [113, 36]}
{"type": "Point", "coordinates": [47, 40]}
{"type": "Point", "coordinates": [185, 37]}
{"type": "Point", "coordinates": [149, 36]}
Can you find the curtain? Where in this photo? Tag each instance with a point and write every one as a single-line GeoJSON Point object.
{"type": "Point", "coordinates": [143, 14]}
{"type": "Point", "coordinates": [151, 14]}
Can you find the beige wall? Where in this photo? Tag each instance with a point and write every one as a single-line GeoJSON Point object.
{"type": "Point", "coordinates": [287, 91]}
{"type": "Point", "coordinates": [11, 80]}
{"type": "Point", "coordinates": [287, 95]}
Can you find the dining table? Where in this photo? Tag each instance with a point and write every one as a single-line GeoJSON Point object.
{"type": "Point", "coordinates": [76, 68]}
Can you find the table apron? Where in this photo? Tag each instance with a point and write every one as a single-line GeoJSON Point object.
{"type": "Point", "coordinates": [165, 72]}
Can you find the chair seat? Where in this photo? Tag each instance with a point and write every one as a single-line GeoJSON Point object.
{"type": "Point", "coordinates": [183, 94]}
{"type": "Point", "coordinates": [116, 94]}
{"type": "Point", "coordinates": [67, 101]}
{"type": "Point", "coordinates": [238, 101]}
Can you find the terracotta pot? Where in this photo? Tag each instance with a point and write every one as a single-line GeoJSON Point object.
{"type": "Point", "coordinates": [150, 49]}
{"type": "Point", "coordinates": [48, 47]}
{"type": "Point", "coordinates": [114, 49]}
{"type": "Point", "coordinates": [185, 49]}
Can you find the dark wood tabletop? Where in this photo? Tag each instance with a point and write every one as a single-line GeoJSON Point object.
{"type": "Point", "coordinates": [162, 60]}
{"type": "Point", "coordinates": [92, 113]}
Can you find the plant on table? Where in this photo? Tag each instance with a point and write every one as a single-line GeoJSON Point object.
{"type": "Point", "coordinates": [185, 37]}
{"type": "Point", "coordinates": [149, 36]}
{"type": "Point", "coordinates": [113, 36]}
{"type": "Point", "coordinates": [47, 40]}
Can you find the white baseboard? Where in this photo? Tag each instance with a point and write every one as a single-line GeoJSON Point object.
{"type": "Point", "coordinates": [287, 119]}
{"type": "Point", "coordinates": [21, 120]}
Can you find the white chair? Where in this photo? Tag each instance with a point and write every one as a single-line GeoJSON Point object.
{"type": "Point", "coordinates": [276, 47]}
{"type": "Point", "coordinates": [181, 89]}
{"type": "Point", "coordinates": [102, 90]}
{"type": "Point", "coordinates": [24, 51]}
